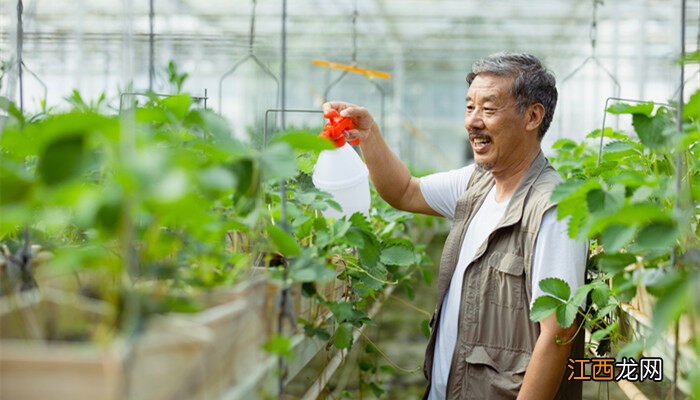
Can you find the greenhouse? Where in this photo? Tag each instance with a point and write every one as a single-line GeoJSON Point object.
{"type": "Point", "coordinates": [306, 199]}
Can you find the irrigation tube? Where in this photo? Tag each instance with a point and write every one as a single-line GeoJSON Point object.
{"type": "Point", "coordinates": [335, 362]}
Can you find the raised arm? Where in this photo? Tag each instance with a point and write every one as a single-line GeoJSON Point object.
{"type": "Point", "coordinates": [390, 176]}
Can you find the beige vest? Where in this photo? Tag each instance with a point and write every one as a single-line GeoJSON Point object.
{"type": "Point", "coordinates": [495, 335]}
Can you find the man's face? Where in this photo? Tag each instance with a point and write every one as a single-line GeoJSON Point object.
{"type": "Point", "coordinates": [494, 123]}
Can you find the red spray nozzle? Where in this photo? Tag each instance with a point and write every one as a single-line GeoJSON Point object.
{"type": "Point", "coordinates": [333, 130]}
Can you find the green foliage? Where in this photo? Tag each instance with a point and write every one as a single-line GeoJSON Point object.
{"type": "Point", "coordinates": [152, 208]}
{"type": "Point", "coordinates": [280, 345]}
{"type": "Point", "coordinates": [555, 287]}
{"type": "Point", "coordinates": [342, 339]}
{"type": "Point", "coordinates": [283, 241]}
{"type": "Point", "coordinates": [175, 78]}
{"type": "Point", "coordinates": [626, 204]}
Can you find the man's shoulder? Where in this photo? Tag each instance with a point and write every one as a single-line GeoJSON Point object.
{"type": "Point", "coordinates": [546, 182]}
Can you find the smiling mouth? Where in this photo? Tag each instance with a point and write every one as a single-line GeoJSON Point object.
{"type": "Point", "coordinates": [480, 142]}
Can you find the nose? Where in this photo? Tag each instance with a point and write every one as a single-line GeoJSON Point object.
{"type": "Point", "coordinates": [473, 120]}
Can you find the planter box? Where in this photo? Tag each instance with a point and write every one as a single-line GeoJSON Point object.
{"type": "Point", "coordinates": [140, 369]}
{"type": "Point", "coordinates": [177, 356]}
{"type": "Point", "coordinates": [185, 356]}
{"type": "Point", "coordinates": [240, 321]}
{"type": "Point", "coordinates": [639, 311]}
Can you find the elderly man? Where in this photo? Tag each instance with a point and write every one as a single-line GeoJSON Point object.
{"type": "Point", "coordinates": [505, 238]}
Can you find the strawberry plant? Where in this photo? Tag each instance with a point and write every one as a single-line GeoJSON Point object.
{"type": "Point", "coordinates": [149, 209]}
{"type": "Point", "coordinates": [644, 233]}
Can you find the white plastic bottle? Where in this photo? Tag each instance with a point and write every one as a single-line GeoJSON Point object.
{"type": "Point", "coordinates": [342, 173]}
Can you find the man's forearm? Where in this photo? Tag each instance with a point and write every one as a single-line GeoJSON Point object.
{"type": "Point", "coordinates": [389, 175]}
{"type": "Point", "coordinates": [547, 366]}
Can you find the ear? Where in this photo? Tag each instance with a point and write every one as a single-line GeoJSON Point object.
{"type": "Point", "coordinates": [534, 115]}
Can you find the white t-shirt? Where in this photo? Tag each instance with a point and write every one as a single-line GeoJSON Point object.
{"type": "Point", "coordinates": [441, 191]}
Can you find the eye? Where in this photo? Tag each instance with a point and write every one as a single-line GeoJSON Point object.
{"type": "Point", "coordinates": [470, 108]}
{"type": "Point", "coordinates": [489, 110]}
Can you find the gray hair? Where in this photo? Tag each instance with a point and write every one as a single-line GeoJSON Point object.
{"type": "Point", "coordinates": [532, 82]}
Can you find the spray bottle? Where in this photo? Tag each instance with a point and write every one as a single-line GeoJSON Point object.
{"type": "Point", "coordinates": [341, 172]}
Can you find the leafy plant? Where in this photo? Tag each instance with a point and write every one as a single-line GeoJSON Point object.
{"type": "Point", "coordinates": [149, 209]}
{"type": "Point", "coordinates": [643, 232]}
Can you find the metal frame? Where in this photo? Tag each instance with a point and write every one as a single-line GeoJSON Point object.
{"type": "Point", "coordinates": [382, 92]}
{"type": "Point", "coordinates": [249, 56]}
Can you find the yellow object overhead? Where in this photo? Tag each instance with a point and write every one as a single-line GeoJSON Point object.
{"type": "Point", "coordinates": [352, 68]}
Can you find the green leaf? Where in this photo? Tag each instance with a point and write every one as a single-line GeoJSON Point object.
{"type": "Point", "coordinates": [543, 307]}
{"type": "Point", "coordinates": [15, 182]}
{"type": "Point", "coordinates": [217, 127]}
{"type": "Point", "coordinates": [595, 199]}
{"type": "Point", "coordinates": [690, 58]}
{"type": "Point", "coordinates": [342, 311]}
{"type": "Point", "coordinates": [151, 115]}
{"type": "Point", "coordinates": [609, 133]}
{"type": "Point", "coordinates": [624, 108]}
{"type": "Point", "coordinates": [616, 236]}
{"type": "Point", "coordinates": [566, 314]}
{"type": "Point", "coordinates": [580, 295]}
{"type": "Point", "coordinates": [642, 194]}
{"type": "Point", "coordinates": [631, 214]}
{"type": "Point", "coordinates": [369, 251]}
{"type": "Point", "coordinates": [178, 105]}
{"type": "Point", "coordinates": [661, 282]}
{"type": "Point", "coordinates": [318, 332]}
{"type": "Point", "coordinates": [366, 365]}
{"type": "Point", "coordinates": [691, 110]}
{"type": "Point", "coordinates": [377, 391]}
{"type": "Point", "coordinates": [600, 295]}
{"type": "Point", "coordinates": [217, 179]}
{"type": "Point", "coordinates": [603, 333]}
{"type": "Point", "coordinates": [279, 345]}
{"type": "Point", "coordinates": [371, 348]}
{"type": "Point", "coordinates": [12, 109]}
{"type": "Point", "coordinates": [304, 141]}
{"type": "Point", "coordinates": [615, 262]}
{"type": "Point", "coordinates": [566, 189]}
{"type": "Point", "coordinates": [277, 162]}
{"type": "Point", "coordinates": [618, 147]}
{"type": "Point", "coordinates": [342, 339]}
{"type": "Point", "coordinates": [397, 255]}
{"type": "Point", "coordinates": [284, 242]}
{"type": "Point", "coordinates": [62, 159]}
{"type": "Point", "coordinates": [651, 130]}
{"type": "Point", "coordinates": [308, 289]}
{"type": "Point", "coordinates": [309, 269]}
{"type": "Point", "coordinates": [425, 328]}
{"type": "Point", "coordinates": [625, 286]}
{"type": "Point", "coordinates": [565, 144]}
{"type": "Point", "coordinates": [556, 287]}
{"type": "Point", "coordinates": [658, 235]}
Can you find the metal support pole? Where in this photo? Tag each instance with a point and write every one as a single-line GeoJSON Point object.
{"type": "Point", "coordinates": [20, 63]}
{"type": "Point", "coordinates": [679, 174]}
{"type": "Point", "coordinates": [151, 45]}
{"type": "Point", "coordinates": [281, 362]}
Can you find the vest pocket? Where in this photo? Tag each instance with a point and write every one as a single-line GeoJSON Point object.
{"type": "Point", "coordinates": [506, 277]}
{"type": "Point", "coordinates": [494, 373]}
